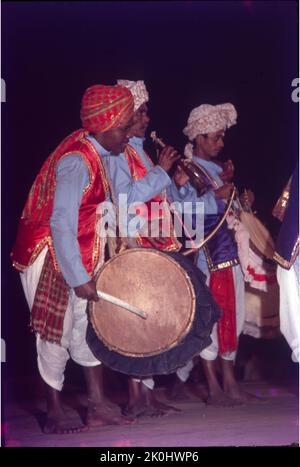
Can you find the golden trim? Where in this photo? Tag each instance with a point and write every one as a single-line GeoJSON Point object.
{"type": "Point", "coordinates": [87, 163]}
{"type": "Point", "coordinates": [285, 195]}
{"type": "Point", "coordinates": [38, 249]}
{"type": "Point", "coordinates": [226, 264]}
{"type": "Point", "coordinates": [100, 164]}
{"type": "Point", "coordinates": [285, 263]}
{"type": "Point", "coordinates": [47, 241]}
{"type": "Point", "coordinates": [96, 254]}
{"type": "Point", "coordinates": [18, 266]}
{"type": "Point", "coordinates": [53, 255]}
{"type": "Point", "coordinates": [130, 152]}
{"type": "Point", "coordinates": [106, 186]}
{"type": "Point", "coordinates": [218, 267]}
{"type": "Point", "coordinates": [101, 256]}
{"type": "Point", "coordinates": [279, 209]}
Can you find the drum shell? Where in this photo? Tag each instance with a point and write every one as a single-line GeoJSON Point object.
{"type": "Point", "coordinates": [260, 237]}
{"type": "Point", "coordinates": [196, 339]}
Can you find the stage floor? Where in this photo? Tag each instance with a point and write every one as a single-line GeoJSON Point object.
{"type": "Point", "coordinates": [273, 423]}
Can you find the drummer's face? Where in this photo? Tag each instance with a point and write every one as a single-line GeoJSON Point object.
{"type": "Point", "coordinates": [140, 121]}
{"type": "Point", "coordinates": [115, 140]}
{"type": "Point", "coordinates": [211, 144]}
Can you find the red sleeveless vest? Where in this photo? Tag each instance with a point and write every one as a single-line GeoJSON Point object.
{"type": "Point", "coordinates": [34, 228]}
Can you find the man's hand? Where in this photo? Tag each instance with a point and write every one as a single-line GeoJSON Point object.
{"type": "Point", "coordinates": [247, 199]}
{"type": "Point", "coordinates": [167, 158]}
{"type": "Point", "coordinates": [224, 192]}
{"type": "Point", "coordinates": [180, 177]}
{"type": "Point", "coordinates": [87, 291]}
{"type": "Point", "coordinates": [228, 171]}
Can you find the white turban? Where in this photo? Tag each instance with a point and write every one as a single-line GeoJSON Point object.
{"type": "Point", "coordinates": [209, 119]}
{"type": "Point", "coordinates": [137, 89]}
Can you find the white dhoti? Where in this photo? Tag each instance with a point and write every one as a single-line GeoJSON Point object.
{"type": "Point", "coordinates": [52, 358]}
{"type": "Point", "coordinates": [211, 352]}
{"type": "Point", "coordinates": [183, 374]}
{"type": "Point", "coordinates": [289, 306]}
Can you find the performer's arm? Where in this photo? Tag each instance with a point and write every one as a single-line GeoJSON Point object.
{"type": "Point", "coordinates": [187, 193]}
{"type": "Point", "coordinates": [71, 178]}
{"type": "Point", "coordinates": [154, 182]}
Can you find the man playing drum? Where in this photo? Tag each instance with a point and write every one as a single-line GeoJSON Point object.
{"type": "Point", "coordinates": [58, 251]}
{"type": "Point", "coordinates": [219, 258]}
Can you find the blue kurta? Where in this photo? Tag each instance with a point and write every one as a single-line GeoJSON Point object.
{"type": "Point", "coordinates": [71, 178]}
{"type": "Point", "coordinates": [213, 208]}
{"type": "Point", "coordinates": [137, 191]}
{"type": "Point", "coordinates": [142, 190]}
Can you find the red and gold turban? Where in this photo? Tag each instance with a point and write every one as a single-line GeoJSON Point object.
{"type": "Point", "coordinates": [106, 107]}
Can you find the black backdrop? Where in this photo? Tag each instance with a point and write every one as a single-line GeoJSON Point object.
{"type": "Point", "coordinates": [188, 53]}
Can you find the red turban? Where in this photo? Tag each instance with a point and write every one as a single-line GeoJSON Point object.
{"type": "Point", "coordinates": [105, 107]}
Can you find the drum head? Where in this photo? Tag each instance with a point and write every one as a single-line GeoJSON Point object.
{"type": "Point", "coordinates": [153, 282]}
{"type": "Point", "coordinates": [206, 314]}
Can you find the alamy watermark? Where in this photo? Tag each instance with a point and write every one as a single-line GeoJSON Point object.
{"type": "Point", "coordinates": [3, 351]}
{"type": "Point", "coordinates": [295, 93]}
{"type": "Point", "coordinates": [3, 90]}
{"type": "Point", "coordinates": [152, 219]}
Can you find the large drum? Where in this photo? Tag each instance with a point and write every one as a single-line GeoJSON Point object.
{"type": "Point", "coordinates": [260, 237]}
{"type": "Point", "coordinates": [179, 307]}
{"type": "Point", "coordinates": [262, 312]}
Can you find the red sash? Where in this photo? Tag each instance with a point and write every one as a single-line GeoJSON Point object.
{"type": "Point", "coordinates": [222, 288]}
{"type": "Point", "coordinates": [139, 171]}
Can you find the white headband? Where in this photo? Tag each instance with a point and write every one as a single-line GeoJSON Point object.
{"type": "Point", "coordinates": [138, 91]}
{"type": "Point", "coordinates": [209, 119]}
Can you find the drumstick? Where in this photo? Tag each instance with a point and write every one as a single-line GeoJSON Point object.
{"type": "Point", "coordinates": [117, 301]}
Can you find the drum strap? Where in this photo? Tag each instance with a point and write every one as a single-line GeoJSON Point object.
{"type": "Point", "coordinates": [222, 289]}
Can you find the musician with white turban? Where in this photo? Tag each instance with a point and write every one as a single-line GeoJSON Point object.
{"type": "Point", "coordinates": [134, 174]}
{"type": "Point", "coordinates": [219, 258]}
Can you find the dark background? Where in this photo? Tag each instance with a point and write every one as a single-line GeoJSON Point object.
{"type": "Point", "coordinates": [188, 53]}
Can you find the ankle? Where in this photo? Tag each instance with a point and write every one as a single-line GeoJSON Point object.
{"type": "Point", "coordinates": [231, 387]}
{"type": "Point", "coordinates": [215, 391]}
{"type": "Point", "coordinates": [56, 413]}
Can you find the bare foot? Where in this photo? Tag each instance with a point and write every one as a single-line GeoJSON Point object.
{"type": "Point", "coordinates": [153, 408]}
{"type": "Point", "coordinates": [136, 410]}
{"type": "Point", "coordinates": [178, 392]}
{"type": "Point", "coordinates": [161, 409]}
{"type": "Point", "coordinates": [101, 414]}
{"type": "Point", "coordinates": [61, 425]}
{"type": "Point", "coordinates": [245, 397]}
